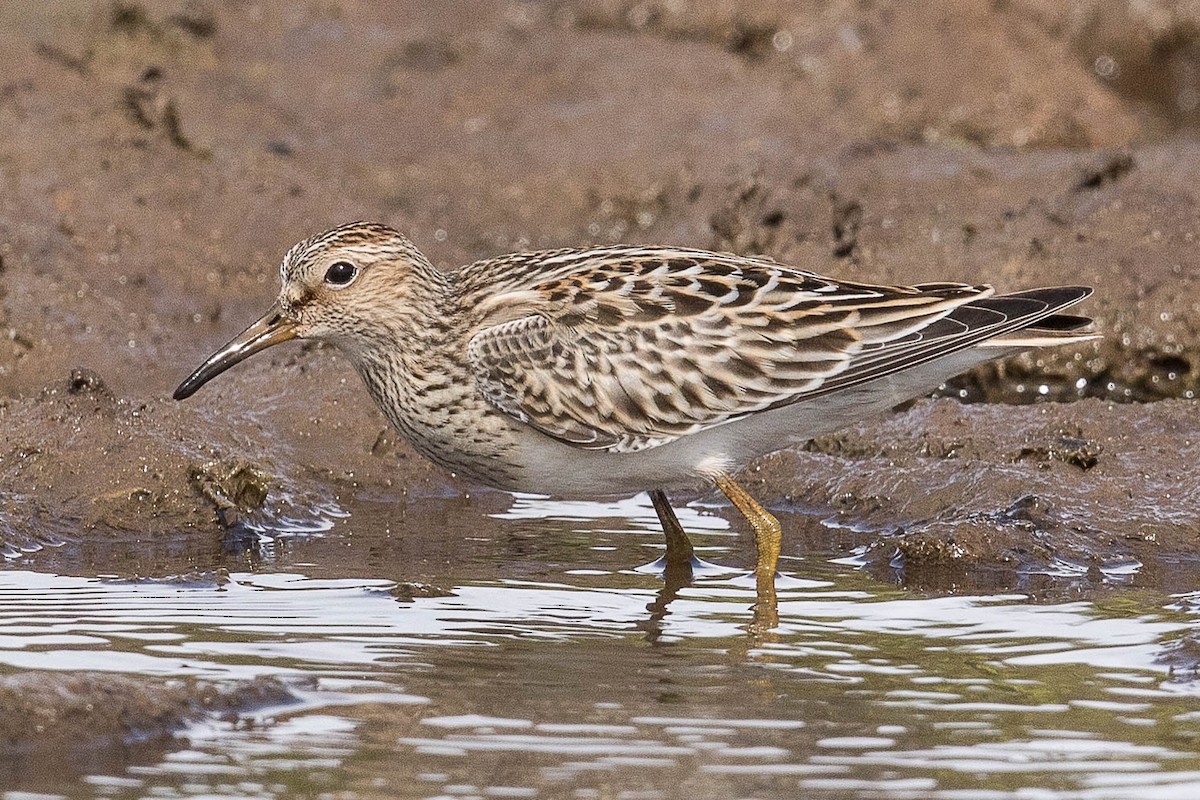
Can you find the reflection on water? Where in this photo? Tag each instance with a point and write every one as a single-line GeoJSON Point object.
{"type": "Point", "coordinates": [565, 687]}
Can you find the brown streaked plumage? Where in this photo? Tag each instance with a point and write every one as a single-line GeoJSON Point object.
{"type": "Point", "coordinates": [623, 368]}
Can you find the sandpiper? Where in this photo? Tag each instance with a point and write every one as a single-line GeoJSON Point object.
{"type": "Point", "coordinates": [616, 369]}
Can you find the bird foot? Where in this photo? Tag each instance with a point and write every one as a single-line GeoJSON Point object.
{"type": "Point", "coordinates": [698, 566]}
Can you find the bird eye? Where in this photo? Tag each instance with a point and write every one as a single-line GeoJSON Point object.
{"type": "Point", "coordinates": [340, 273]}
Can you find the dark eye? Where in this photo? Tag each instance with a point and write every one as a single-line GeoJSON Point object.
{"type": "Point", "coordinates": [340, 273]}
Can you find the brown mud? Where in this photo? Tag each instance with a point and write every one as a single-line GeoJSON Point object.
{"type": "Point", "coordinates": [159, 157]}
{"type": "Point", "coordinates": [49, 716]}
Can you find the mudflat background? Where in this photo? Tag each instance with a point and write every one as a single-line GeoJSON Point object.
{"type": "Point", "coordinates": [158, 158]}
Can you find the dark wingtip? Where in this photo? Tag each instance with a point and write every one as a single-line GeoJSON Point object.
{"type": "Point", "coordinates": [1057, 296]}
{"type": "Point", "coordinates": [1065, 323]}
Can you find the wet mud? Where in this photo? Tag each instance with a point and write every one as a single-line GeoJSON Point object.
{"type": "Point", "coordinates": [160, 157]}
{"type": "Point", "coordinates": [48, 715]}
{"type": "Point", "coordinates": [946, 490]}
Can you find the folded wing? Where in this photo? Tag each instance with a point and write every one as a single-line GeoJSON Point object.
{"type": "Point", "coordinates": [623, 349]}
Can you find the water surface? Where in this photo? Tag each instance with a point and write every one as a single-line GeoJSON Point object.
{"type": "Point", "coordinates": [553, 669]}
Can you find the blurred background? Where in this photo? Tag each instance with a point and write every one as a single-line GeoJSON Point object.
{"type": "Point", "coordinates": [160, 157]}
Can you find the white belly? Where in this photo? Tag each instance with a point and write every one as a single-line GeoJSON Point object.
{"type": "Point", "coordinates": [554, 468]}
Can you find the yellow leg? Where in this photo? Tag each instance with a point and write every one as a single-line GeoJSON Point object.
{"type": "Point", "coordinates": [679, 548]}
{"type": "Point", "coordinates": [767, 533]}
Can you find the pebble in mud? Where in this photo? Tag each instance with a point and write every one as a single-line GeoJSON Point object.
{"type": "Point", "coordinates": [86, 381]}
{"type": "Point", "coordinates": [1074, 450]}
{"type": "Point", "coordinates": [234, 488]}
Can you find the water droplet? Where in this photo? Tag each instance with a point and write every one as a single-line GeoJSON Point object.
{"type": "Point", "coordinates": [1106, 66]}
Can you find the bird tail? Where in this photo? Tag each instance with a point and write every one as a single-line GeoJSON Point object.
{"type": "Point", "coordinates": [1043, 331]}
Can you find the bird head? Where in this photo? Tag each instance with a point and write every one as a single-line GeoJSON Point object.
{"type": "Point", "coordinates": [346, 286]}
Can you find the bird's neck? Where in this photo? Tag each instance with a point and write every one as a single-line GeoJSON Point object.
{"type": "Point", "coordinates": [410, 338]}
{"type": "Point", "coordinates": [409, 318]}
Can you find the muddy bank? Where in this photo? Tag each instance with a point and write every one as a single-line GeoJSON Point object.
{"type": "Point", "coordinates": [1092, 488]}
{"type": "Point", "coordinates": [48, 719]}
{"type": "Point", "coordinates": [164, 486]}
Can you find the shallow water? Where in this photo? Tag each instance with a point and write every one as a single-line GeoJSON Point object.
{"type": "Point", "coordinates": [552, 669]}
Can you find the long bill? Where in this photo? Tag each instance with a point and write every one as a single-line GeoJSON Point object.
{"type": "Point", "coordinates": [271, 328]}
